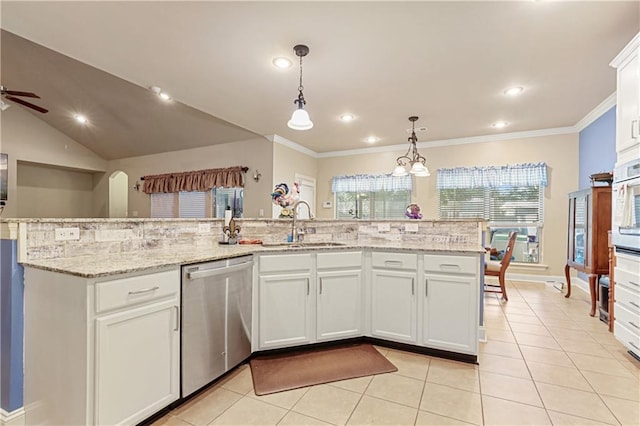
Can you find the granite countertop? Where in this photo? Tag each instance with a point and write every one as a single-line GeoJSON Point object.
{"type": "Point", "coordinates": [94, 266]}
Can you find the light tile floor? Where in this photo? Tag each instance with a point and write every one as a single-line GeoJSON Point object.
{"type": "Point", "coordinates": [546, 361]}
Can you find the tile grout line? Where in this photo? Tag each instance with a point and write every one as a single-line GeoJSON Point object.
{"type": "Point", "coordinates": [544, 406]}
{"type": "Point", "coordinates": [424, 385]}
{"type": "Point", "coordinates": [570, 359]}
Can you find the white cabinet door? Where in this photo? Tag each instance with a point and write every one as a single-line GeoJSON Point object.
{"type": "Point", "coordinates": [393, 307]}
{"type": "Point", "coordinates": [450, 315]}
{"type": "Point", "coordinates": [286, 311]}
{"type": "Point", "coordinates": [137, 363]}
{"type": "Point", "coordinates": [339, 312]}
{"type": "Point", "coordinates": [628, 107]}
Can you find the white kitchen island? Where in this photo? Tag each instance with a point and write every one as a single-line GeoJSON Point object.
{"type": "Point", "coordinates": [102, 331]}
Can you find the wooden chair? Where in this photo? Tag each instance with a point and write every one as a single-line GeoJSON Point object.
{"type": "Point", "coordinates": [496, 268]}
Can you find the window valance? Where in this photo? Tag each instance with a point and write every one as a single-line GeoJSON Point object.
{"type": "Point", "coordinates": [199, 180]}
{"type": "Point", "coordinates": [509, 176]}
{"type": "Point", "coordinates": [371, 183]}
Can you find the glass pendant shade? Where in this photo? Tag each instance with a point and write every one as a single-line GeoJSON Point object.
{"type": "Point", "coordinates": [423, 173]}
{"type": "Point", "coordinates": [399, 171]}
{"type": "Point", "coordinates": [300, 120]}
{"type": "Point", "coordinates": [417, 168]}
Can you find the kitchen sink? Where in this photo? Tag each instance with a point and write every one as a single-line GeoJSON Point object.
{"type": "Point", "coordinates": [304, 244]}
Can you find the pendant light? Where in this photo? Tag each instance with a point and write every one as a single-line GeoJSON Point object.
{"type": "Point", "coordinates": [417, 163]}
{"type": "Point", "coordinates": [300, 118]}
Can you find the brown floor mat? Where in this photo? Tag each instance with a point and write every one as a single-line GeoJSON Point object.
{"type": "Point", "coordinates": [277, 373]}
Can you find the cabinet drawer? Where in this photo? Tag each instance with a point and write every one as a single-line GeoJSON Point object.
{"type": "Point", "coordinates": [389, 260]}
{"type": "Point", "coordinates": [285, 262]}
{"type": "Point", "coordinates": [628, 262]}
{"type": "Point", "coordinates": [627, 298]}
{"type": "Point", "coordinates": [134, 290]}
{"type": "Point", "coordinates": [352, 259]}
{"type": "Point", "coordinates": [629, 319]}
{"type": "Point", "coordinates": [450, 263]}
{"type": "Point", "coordinates": [627, 278]}
{"type": "Point", "coordinates": [628, 338]}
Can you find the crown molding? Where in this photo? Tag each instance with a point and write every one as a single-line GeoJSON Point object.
{"type": "Point", "coordinates": [457, 141]}
{"type": "Point", "coordinates": [626, 51]}
{"type": "Point", "coordinates": [291, 144]}
{"type": "Point", "coordinates": [596, 113]}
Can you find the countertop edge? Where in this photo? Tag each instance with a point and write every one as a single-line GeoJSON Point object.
{"type": "Point", "coordinates": [97, 266]}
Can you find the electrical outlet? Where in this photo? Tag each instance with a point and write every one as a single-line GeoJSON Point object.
{"type": "Point", "coordinates": [411, 227]}
{"type": "Point", "coordinates": [67, 234]}
{"type": "Point", "coordinates": [204, 228]}
{"type": "Point", "coordinates": [384, 227]}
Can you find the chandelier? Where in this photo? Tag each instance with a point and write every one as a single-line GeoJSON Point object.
{"type": "Point", "coordinates": [300, 118]}
{"type": "Point", "coordinates": [416, 162]}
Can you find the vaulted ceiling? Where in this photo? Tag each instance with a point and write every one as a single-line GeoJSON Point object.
{"type": "Point", "coordinates": [447, 62]}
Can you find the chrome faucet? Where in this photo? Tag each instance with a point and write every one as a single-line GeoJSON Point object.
{"type": "Point", "coordinates": [294, 231]}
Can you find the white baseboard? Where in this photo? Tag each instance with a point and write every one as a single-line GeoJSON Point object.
{"type": "Point", "coordinates": [14, 418]}
{"type": "Point", "coordinates": [535, 278]}
{"type": "Point", "coordinates": [576, 282]}
{"type": "Point", "coordinates": [482, 334]}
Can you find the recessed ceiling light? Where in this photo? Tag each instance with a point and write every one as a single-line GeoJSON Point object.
{"type": "Point", "coordinates": [162, 95]}
{"type": "Point", "coordinates": [346, 117]}
{"type": "Point", "coordinates": [499, 124]}
{"type": "Point", "coordinates": [282, 63]}
{"type": "Point", "coordinates": [372, 139]}
{"type": "Point", "coordinates": [513, 91]}
{"type": "Point", "coordinates": [81, 119]}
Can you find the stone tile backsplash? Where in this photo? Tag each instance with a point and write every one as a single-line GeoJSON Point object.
{"type": "Point", "coordinates": [112, 236]}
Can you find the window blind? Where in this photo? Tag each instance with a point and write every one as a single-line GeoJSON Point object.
{"type": "Point", "coordinates": [162, 204]}
{"type": "Point", "coordinates": [192, 204]}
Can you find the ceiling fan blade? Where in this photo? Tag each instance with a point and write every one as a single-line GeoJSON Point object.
{"type": "Point", "coordinates": [15, 93]}
{"type": "Point", "coordinates": [27, 104]}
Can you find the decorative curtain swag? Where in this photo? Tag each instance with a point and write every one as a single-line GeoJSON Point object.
{"type": "Point", "coordinates": [508, 176]}
{"type": "Point", "coordinates": [199, 180]}
{"type": "Point", "coordinates": [371, 183]}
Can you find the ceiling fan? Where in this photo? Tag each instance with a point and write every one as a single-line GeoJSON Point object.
{"type": "Point", "coordinates": [11, 95]}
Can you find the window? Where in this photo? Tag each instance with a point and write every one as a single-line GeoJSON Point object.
{"type": "Point", "coordinates": [510, 198]}
{"type": "Point", "coordinates": [197, 204]}
{"type": "Point", "coordinates": [371, 196]}
{"type": "Point", "coordinates": [223, 197]}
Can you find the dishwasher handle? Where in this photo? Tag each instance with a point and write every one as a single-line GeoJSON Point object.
{"type": "Point", "coordinates": [218, 271]}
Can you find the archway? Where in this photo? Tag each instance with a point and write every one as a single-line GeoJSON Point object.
{"type": "Point", "coordinates": [118, 194]}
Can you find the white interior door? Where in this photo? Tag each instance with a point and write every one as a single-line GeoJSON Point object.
{"type": "Point", "coordinates": [307, 193]}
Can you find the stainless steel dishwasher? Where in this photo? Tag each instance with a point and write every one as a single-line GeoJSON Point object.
{"type": "Point", "coordinates": [216, 320]}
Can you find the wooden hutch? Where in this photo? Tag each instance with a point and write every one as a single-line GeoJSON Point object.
{"type": "Point", "coordinates": [587, 248]}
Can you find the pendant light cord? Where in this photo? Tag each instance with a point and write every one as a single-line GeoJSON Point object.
{"type": "Point", "coordinates": [300, 87]}
{"type": "Point", "coordinates": [300, 101]}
